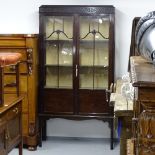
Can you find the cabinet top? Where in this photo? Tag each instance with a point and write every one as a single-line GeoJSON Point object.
{"type": "Point", "coordinates": [81, 9]}
{"type": "Point", "coordinates": [142, 72]}
{"type": "Point", "coordinates": [10, 101]}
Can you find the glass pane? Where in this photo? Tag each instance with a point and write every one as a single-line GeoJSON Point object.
{"type": "Point", "coordinates": [94, 52]}
{"type": "Point", "coordinates": [100, 78]}
{"type": "Point", "coordinates": [86, 53]}
{"type": "Point", "coordinates": [59, 51]}
{"type": "Point", "coordinates": [86, 78]}
{"type": "Point", "coordinates": [51, 77]}
{"type": "Point", "coordinates": [56, 24]}
{"type": "Point", "coordinates": [101, 57]}
{"type": "Point", "coordinates": [65, 54]}
{"type": "Point", "coordinates": [51, 53]}
{"type": "Point", "coordinates": [59, 77]}
{"type": "Point", "coordinates": [65, 77]}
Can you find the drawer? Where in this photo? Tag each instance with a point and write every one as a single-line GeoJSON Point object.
{"type": "Point", "coordinates": [14, 111]}
{"type": "Point", "coordinates": [9, 42]}
{"type": "Point", "coordinates": [23, 66]}
{"type": "Point", "coordinates": [146, 94]}
{"type": "Point", "coordinates": [11, 79]}
{"type": "Point", "coordinates": [25, 124]}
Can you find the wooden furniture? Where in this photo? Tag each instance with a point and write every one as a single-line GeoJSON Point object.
{"type": "Point", "coordinates": [11, 125]}
{"type": "Point", "coordinates": [123, 110]}
{"type": "Point", "coordinates": [143, 79]}
{"type": "Point", "coordinates": [8, 59]}
{"type": "Point", "coordinates": [76, 62]}
{"type": "Point", "coordinates": [133, 49]}
{"type": "Point", "coordinates": [26, 45]}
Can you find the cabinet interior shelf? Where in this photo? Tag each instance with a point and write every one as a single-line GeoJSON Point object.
{"type": "Point", "coordinates": [58, 41]}
{"type": "Point", "coordinates": [82, 66]}
{"type": "Point", "coordinates": [82, 88]}
{"type": "Point", "coordinates": [60, 87]}
{"type": "Point", "coordinates": [53, 65]}
{"type": "Point", "coordinates": [85, 42]}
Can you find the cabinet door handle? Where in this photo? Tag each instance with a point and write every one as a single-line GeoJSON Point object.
{"type": "Point", "coordinates": [15, 110]}
{"type": "Point", "coordinates": [76, 71]}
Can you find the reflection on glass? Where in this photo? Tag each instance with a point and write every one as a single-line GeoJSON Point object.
{"type": "Point", "coordinates": [94, 52]}
{"type": "Point", "coordinates": [59, 54]}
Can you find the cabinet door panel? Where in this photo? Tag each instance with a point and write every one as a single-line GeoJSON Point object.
{"type": "Point", "coordinates": [92, 102]}
{"type": "Point", "coordinates": [14, 126]}
{"type": "Point", "coordinates": [58, 101]}
{"type": "Point", "coordinates": [13, 131]}
{"type": "Point", "coordinates": [3, 139]}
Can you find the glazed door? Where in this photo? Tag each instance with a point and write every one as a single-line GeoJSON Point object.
{"type": "Point", "coordinates": [58, 64]}
{"type": "Point", "coordinates": [93, 63]}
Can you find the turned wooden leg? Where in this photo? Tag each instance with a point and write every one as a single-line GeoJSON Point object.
{"type": "Point", "coordinates": [44, 130]}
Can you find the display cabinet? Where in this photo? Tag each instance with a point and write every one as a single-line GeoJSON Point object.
{"type": "Point", "coordinates": [76, 61]}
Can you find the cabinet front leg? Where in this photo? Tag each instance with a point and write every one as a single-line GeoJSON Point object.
{"type": "Point", "coordinates": [20, 148]}
{"type": "Point", "coordinates": [44, 129]}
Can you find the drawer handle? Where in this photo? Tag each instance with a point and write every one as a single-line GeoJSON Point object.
{"type": "Point", "coordinates": [15, 110]}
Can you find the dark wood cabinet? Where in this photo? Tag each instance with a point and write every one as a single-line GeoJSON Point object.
{"type": "Point", "coordinates": [11, 125]}
{"type": "Point", "coordinates": [143, 80]}
{"type": "Point", "coordinates": [76, 61]}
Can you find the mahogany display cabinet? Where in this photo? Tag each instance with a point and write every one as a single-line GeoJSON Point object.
{"type": "Point", "coordinates": [76, 63]}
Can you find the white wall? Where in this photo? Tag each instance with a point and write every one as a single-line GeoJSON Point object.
{"type": "Point", "coordinates": [19, 16]}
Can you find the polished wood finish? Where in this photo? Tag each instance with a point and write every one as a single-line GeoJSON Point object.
{"type": "Point", "coordinates": [80, 99]}
{"type": "Point", "coordinates": [11, 125]}
{"type": "Point", "coordinates": [8, 59]}
{"type": "Point", "coordinates": [143, 79]}
{"type": "Point", "coordinates": [133, 48]}
{"type": "Point", "coordinates": [26, 45]}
